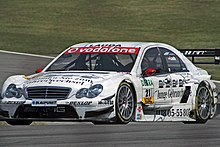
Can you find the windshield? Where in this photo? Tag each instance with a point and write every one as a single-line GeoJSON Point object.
{"type": "Point", "coordinates": [88, 59]}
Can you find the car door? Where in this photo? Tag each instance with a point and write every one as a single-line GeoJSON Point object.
{"type": "Point", "coordinates": [178, 75]}
{"type": "Point", "coordinates": [155, 84]}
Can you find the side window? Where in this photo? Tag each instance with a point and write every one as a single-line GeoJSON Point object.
{"type": "Point", "coordinates": [152, 59]}
{"type": "Point", "coordinates": [174, 63]}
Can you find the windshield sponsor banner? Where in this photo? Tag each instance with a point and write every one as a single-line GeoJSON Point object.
{"type": "Point", "coordinates": [102, 50]}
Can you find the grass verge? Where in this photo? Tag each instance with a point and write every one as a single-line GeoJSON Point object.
{"type": "Point", "coordinates": [49, 26]}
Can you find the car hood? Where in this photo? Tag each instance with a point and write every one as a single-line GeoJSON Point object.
{"type": "Point", "coordinates": [70, 79]}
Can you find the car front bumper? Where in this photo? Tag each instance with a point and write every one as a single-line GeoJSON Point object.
{"type": "Point", "coordinates": [61, 110]}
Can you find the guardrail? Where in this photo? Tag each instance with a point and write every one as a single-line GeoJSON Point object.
{"type": "Point", "coordinates": [193, 53]}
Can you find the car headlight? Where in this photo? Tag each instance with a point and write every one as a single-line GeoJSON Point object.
{"type": "Point", "coordinates": [91, 92]}
{"type": "Point", "coordinates": [13, 91]}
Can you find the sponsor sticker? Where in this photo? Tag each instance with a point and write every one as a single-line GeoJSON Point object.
{"type": "Point", "coordinates": [171, 93]}
{"type": "Point", "coordinates": [146, 82]}
{"type": "Point", "coordinates": [171, 58]}
{"type": "Point", "coordinates": [139, 116]}
{"type": "Point", "coordinates": [60, 79]}
{"type": "Point", "coordinates": [148, 100]}
{"type": "Point", "coordinates": [179, 112]}
{"type": "Point", "coordinates": [106, 102]}
{"type": "Point", "coordinates": [173, 83]}
{"type": "Point", "coordinates": [80, 103]}
{"type": "Point", "coordinates": [103, 50]}
{"type": "Point", "coordinates": [12, 102]}
{"type": "Point", "coordinates": [139, 109]}
{"type": "Point", "coordinates": [44, 102]}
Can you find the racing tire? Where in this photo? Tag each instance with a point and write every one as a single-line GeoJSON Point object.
{"type": "Point", "coordinates": [124, 103]}
{"type": "Point", "coordinates": [19, 122]}
{"type": "Point", "coordinates": [203, 103]}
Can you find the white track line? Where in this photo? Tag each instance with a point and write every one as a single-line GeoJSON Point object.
{"type": "Point", "coordinates": [26, 54]}
{"type": "Point", "coordinates": [216, 81]}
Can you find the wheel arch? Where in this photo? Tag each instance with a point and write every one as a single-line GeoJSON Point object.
{"type": "Point", "coordinates": [133, 89]}
{"type": "Point", "coordinates": [211, 86]}
{"type": "Point", "coordinates": [206, 84]}
{"type": "Point", "coordinates": [135, 95]}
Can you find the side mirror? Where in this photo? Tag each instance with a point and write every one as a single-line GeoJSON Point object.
{"type": "Point", "coordinates": [150, 71]}
{"type": "Point", "coordinates": [38, 70]}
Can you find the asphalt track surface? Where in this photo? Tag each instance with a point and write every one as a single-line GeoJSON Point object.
{"type": "Point", "coordinates": [147, 134]}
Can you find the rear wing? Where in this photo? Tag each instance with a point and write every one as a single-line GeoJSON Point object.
{"type": "Point", "coordinates": [194, 53]}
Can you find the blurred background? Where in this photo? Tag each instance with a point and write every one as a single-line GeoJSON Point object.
{"type": "Point", "coordinates": [47, 27]}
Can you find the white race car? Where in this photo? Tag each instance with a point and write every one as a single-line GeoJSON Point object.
{"type": "Point", "coordinates": [112, 82]}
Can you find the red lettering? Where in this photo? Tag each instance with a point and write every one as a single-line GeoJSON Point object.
{"type": "Point", "coordinates": [103, 50]}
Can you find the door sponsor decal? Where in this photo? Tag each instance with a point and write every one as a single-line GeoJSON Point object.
{"type": "Point", "coordinates": [171, 93]}
{"type": "Point", "coordinates": [174, 83]}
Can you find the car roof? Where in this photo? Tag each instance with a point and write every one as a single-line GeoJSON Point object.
{"type": "Point", "coordinates": [123, 44]}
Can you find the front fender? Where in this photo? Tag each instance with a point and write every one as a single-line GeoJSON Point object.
{"type": "Point", "coordinates": [111, 86]}
{"type": "Point", "coordinates": [17, 80]}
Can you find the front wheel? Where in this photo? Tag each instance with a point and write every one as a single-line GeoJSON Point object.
{"type": "Point", "coordinates": [203, 103]}
{"type": "Point", "coordinates": [124, 103]}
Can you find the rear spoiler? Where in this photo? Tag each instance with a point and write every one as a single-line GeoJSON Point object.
{"type": "Point", "coordinates": [193, 53]}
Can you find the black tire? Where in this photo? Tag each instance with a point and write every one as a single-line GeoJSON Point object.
{"type": "Point", "coordinates": [124, 103]}
{"type": "Point", "coordinates": [203, 103]}
{"type": "Point", "coordinates": [19, 122]}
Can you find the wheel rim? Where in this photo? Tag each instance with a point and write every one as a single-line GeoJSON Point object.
{"type": "Point", "coordinates": [204, 103]}
{"type": "Point", "coordinates": [125, 102]}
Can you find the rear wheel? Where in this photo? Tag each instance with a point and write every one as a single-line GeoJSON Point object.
{"type": "Point", "coordinates": [124, 103]}
{"type": "Point", "coordinates": [203, 103]}
{"type": "Point", "coordinates": [19, 122]}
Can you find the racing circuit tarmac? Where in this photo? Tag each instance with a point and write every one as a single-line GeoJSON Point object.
{"type": "Point", "coordinates": [164, 134]}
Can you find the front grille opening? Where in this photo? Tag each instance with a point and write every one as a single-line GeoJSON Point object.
{"type": "Point", "coordinates": [48, 92]}
{"type": "Point", "coordinates": [26, 111]}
